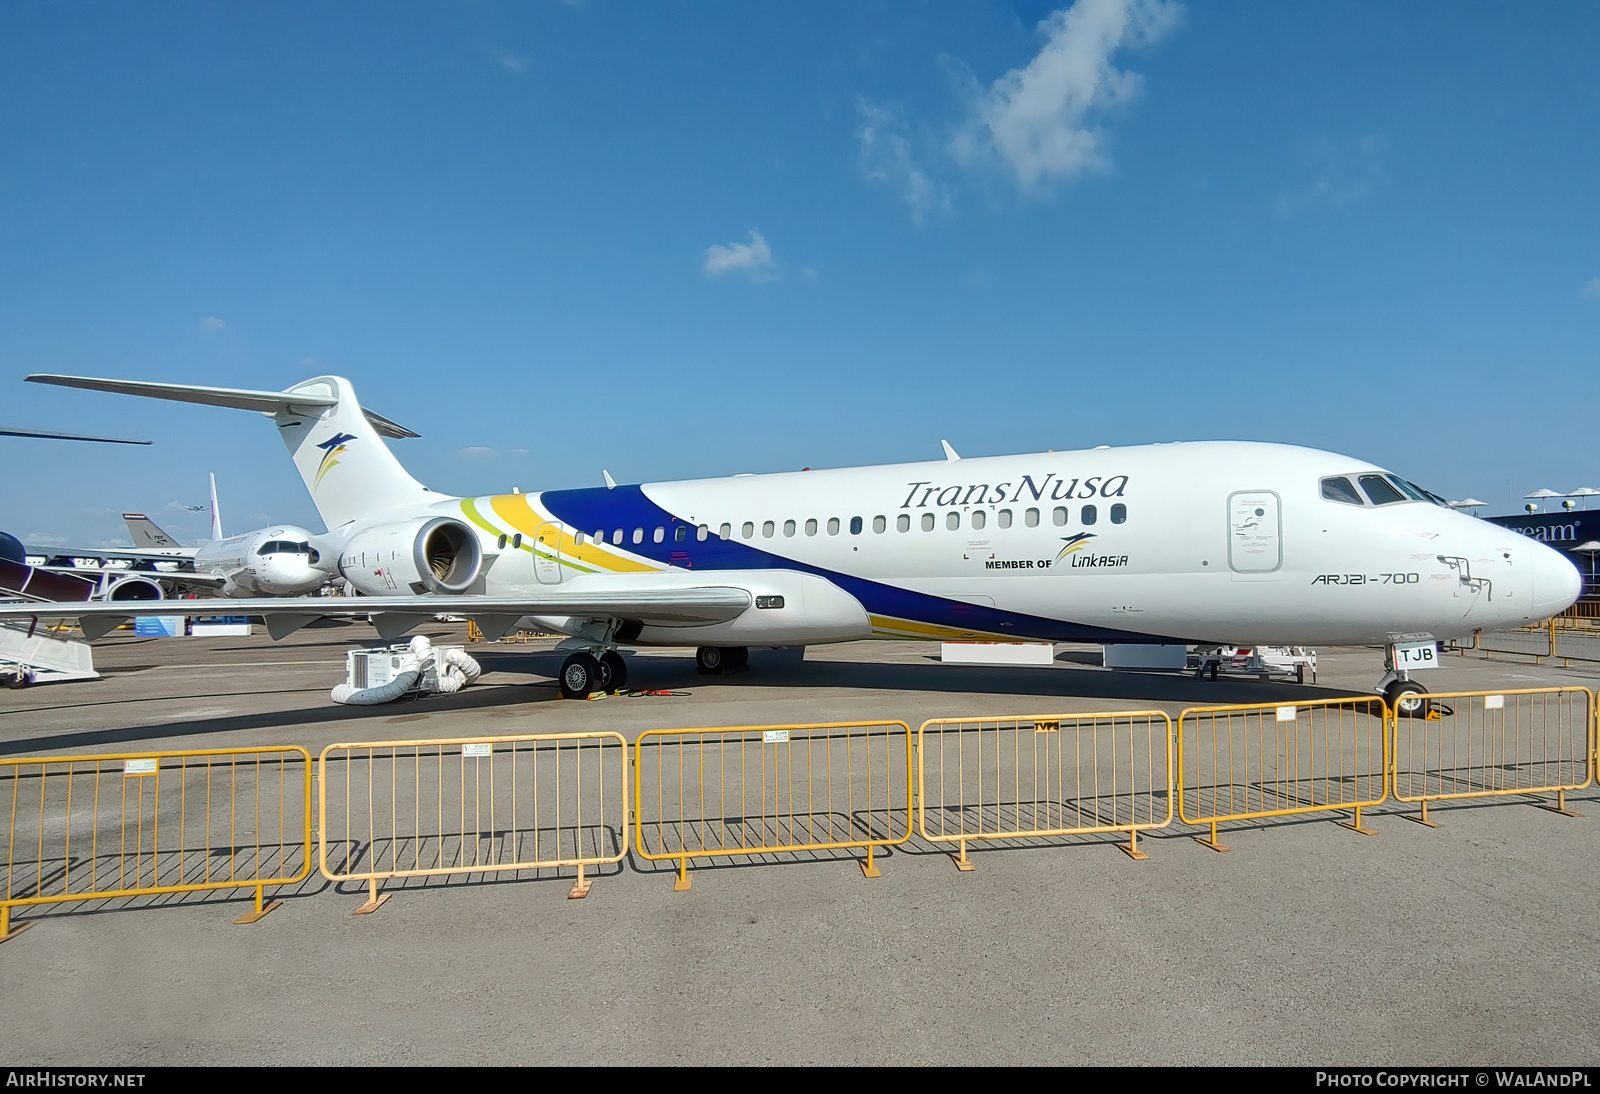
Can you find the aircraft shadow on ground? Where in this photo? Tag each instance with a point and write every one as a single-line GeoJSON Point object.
{"type": "Point", "coordinates": [678, 673]}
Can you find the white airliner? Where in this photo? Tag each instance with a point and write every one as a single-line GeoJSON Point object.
{"type": "Point", "coordinates": [273, 561]}
{"type": "Point", "coordinates": [1207, 543]}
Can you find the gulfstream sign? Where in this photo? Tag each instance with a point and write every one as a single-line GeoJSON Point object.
{"type": "Point", "coordinates": [983, 494]}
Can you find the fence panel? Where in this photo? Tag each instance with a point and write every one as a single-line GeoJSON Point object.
{"type": "Point", "coordinates": [148, 823]}
{"type": "Point", "coordinates": [1576, 645]}
{"type": "Point", "coordinates": [426, 808]}
{"type": "Point", "coordinates": [1036, 776]}
{"type": "Point", "coordinates": [1481, 744]}
{"type": "Point", "coordinates": [1530, 641]}
{"type": "Point", "coordinates": [765, 790]}
{"type": "Point", "coordinates": [1252, 762]}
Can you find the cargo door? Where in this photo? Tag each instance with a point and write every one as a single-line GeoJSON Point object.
{"type": "Point", "coordinates": [547, 554]}
{"type": "Point", "coordinates": [1255, 532]}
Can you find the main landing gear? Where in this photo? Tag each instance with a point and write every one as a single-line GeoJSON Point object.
{"type": "Point", "coordinates": [583, 674]}
{"type": "Point", "coordinates": [715, 660]}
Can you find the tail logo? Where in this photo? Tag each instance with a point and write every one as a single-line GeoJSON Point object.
{"type": "Point", "coordinates": [1074, 544]}
{"type": "Point", "coordinates": [331, 449]}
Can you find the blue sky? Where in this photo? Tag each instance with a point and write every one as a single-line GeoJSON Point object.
{"type": "Point", "coordinates": [678, 240]}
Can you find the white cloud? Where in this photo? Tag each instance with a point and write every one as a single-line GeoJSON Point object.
{"type": "Point", "coordinates": [1591, 290]}
{"type": "Point", "coordinates": [512, 61]}
{"type": "Point", "coordinates": [211, 324]}
{"type": "Point", "coordinates": [887, 158]}
{"type": "Point", "coordinates": [1036, 120]}
{"type": "Point", "coordinates": [1343, 174]}
{"type": "Point", "coordinates": [754, 259]}
{"type": "Point", "coordinates": [475, 452]}
{"type": "Point", "coordinates": [41, 539]}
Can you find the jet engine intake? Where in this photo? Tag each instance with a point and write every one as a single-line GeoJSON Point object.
{"type": "Point", "coordinates": [135, 588]}
{"type": "Point", "coordinates": [425, 555]}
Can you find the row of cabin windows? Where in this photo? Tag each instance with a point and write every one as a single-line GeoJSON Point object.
{"type": "Point", "coordinates": [977, 519]}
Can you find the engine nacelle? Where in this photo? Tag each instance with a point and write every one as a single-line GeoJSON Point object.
{"type": "Point", "coordinates": [135, 588]}
{"type": "Point", "coordinates": [425, 555]}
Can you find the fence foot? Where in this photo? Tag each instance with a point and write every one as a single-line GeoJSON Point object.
{"type": "Point", "coordinates": [580, 888]}
{"type": "Point", "coordinates": [374, 900]}
{"type": "Point", "coordinates": [7, 931]}
{"type": "Point", "coordinates": [1354, 824]}
{"type": "Point", "coordinates": [261, 908]}
{"type": "Point", "coordinates": [1422, 818]}
{"type": "Point", "coordinates": [1131, 848]}
{"type": "Point", "coordinates": [1213, 843]}
{"type": "Point", "coordinates": [868, 867]}
{"type": "Point", "coordinates": [682, 884]}
{"type": "Point", "coordinates": [1560, 806]}
{"type": "Point", "coordinates": [963, 863]}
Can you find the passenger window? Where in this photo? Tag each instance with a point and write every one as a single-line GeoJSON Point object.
{"type": "Point", "coordinates": [680, 533]}
{"type": "Point", "coordinates": [725, 532]}
{"type": "Point", "coordinates": [616, 536]}
{"type": "Point", "coordinates": [1119, 513]}
{"type": "Point", "coordinates": [788, 528]}
{"type": "Point", "coordinates": [811, 526]}
{"type": "Point", "coordinates": [1379, 490]}
{"type": "Point", "coordinates": [638, 535]}
{"type": "Point", "coordinates": [855, 526]}
{"type": "Point", "coordinates": [979, 518]}
{"type": "Point", "coordinates": [516, 542]}
{"type": "Point", "coordinates": [927, 522]}
{"type": "Point", "coordinates": [1089, 514]}
{"type": "Point", "coordinates": [1338, 488]}
{"type": "Point", "coordinates": [600, 536]}
{"type": "Point", "coordinates": [702, 531]}
{"type": "Point", "coordinates": [952, 520]}
{"type": "Point", "coordinates": [661, 534]}
{"type": "Point", "coordinates": [1005, 518]}
{"type": "Point", "coordinates": [833, 526]}
{"type": "Point", "coordinates": [1031, 518]}
{"type": "Point", "coordinates": [502, 542]}
{"type": "Point", "coordinates": [902, 523]}
{"type": "Point", "coordinates": [748, 530]}
{"type": "Point", "coordinates": [1059, 515]}
{"type": "Point", "coordinates": [879, 524]}
{"type": "Point", "coordinates": [578, 539]}
{"type": "Point", "coordinates": [767, 529]}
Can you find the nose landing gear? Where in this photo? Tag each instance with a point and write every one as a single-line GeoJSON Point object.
{"type": "Point", "coordinates": [1407, 698]}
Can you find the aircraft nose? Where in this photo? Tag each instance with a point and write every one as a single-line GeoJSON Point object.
{"type": "Point", "coordinates": [1557, 583]}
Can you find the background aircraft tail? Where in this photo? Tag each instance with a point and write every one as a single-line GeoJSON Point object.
{"type": "Point", "coordinates": [216, 515]}
{"type": "Point", "coordinates": [336, 445]}
{"type": "Point", "coordinates": [147, 535]}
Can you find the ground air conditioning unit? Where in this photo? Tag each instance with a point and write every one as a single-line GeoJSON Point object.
{"type": "Point", "coordinates": [383, 674]}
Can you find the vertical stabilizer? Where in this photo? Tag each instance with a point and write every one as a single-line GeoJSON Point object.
{"type": "Point", "coordinates": [349, 471]}
{"type": "Point", "coordinates": [216, 515]}
{"type": "Point", "coordinates": [147, 536]}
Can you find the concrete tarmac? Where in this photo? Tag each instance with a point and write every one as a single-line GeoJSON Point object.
{"type": "Point", "coordinates": [1472, 944]}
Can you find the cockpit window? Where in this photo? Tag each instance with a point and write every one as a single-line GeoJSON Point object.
{"type": "Point", "coordinates": [1380, 491]}
{"type": "Point", "coordinates": [1339, 488]}
{"type": "Point", "coordinates": [1422, 495]}
{"type": "Point", "coordinates": [1406, 488]}
{"type": "Point", "coordinates": [286, 547]}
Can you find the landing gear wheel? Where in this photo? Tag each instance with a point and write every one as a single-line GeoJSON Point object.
{"type": "Point", "coordinates": [1407, 698]}
{"type": "Point", "coordinates": [710, 660]}
{"type": "Point", "coordinates": [580, 675]}
{"type": "Point", "coordinates": [616, 670]}
{"type": "Point", "coordinates": [737, 657]}
{"type": "Point", "coordinates": [1216, 666]}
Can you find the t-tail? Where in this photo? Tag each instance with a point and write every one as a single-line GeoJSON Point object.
{"type": "Point", "coordinates": [336, 444]}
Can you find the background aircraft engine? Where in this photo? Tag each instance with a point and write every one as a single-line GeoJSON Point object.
{"type": "Point", "coordinates": [135, 588]}
{"type": "Point", "coordinates": [427, 555]}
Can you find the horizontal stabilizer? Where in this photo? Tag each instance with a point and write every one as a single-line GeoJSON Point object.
{"type": "Point", "coordinates": [267, 402]}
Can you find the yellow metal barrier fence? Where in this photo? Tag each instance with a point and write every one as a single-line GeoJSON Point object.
{"type": "Point", "coordinates": [1251, 762]}
{"type": "Point", "coordinates": [425, 808]}
{"type": "Point", "coordinates": [760, 790]}
{"type": "Point", "coordinates": [148, 823]}
{"type": "Point", "coordinates": [1480, 744]}
{"type": "Point", "coordinates": [1034, 776]}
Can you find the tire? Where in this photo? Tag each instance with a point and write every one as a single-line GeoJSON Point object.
{"type": "Point", "coordinates": [616, 670]}
{"type": "Point", "coordinates": [1407, 698]}
{"type": "Point", "coordinates": [737, 657]}
{"type": "Point", "coordinates": [580, 675]}
{"type": "Point", "coordinates": [710, 660]}
{"type": "Point", "coordinates": [1216, 666]}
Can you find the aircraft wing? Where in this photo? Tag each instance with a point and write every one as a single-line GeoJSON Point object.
{"type": "Point", "coordinates": [173, 554]}
{"type": "Point", "coordinates": [394, 615]}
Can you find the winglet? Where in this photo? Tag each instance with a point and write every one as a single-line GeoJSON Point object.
{"type": "Point", "coordinates": [611, 483]}
{"type": "Point", "coordinates": [949, 453]}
